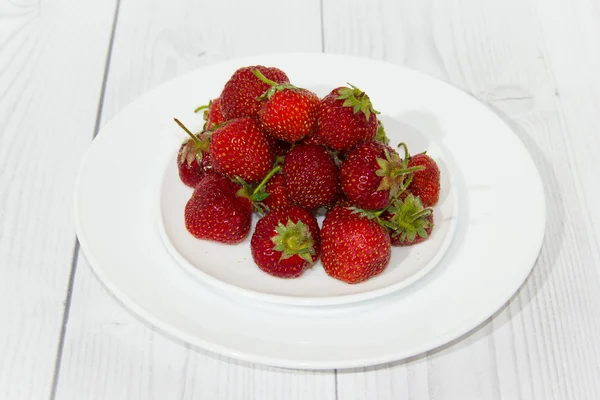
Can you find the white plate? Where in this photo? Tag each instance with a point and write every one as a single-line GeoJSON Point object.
{"type": "Point", "coordinates": [231, 268]}
{"type": "Point", "coordinates": [488, 259]}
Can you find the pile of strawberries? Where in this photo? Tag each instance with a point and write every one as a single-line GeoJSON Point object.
{"type": "Point", "coordinates": [279, 150]}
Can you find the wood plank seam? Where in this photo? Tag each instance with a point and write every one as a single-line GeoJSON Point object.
{"type": "Point", "coordinates": [322, 30]}
{"type": "Point", "coordinates": [76, 248]}
{"type": "Point", "coordinates": [61, 338]}
{"type": "Point", "coordinates": [322, 20]}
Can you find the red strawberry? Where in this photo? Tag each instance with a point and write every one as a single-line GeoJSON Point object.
{"type": "Point", "coordinates": [310, 176]}
{"type": "Point", "coordinates": [354, 247]}
{"type": "Point", "coordinates": [285, 242]}
{"type": "Point", "coordinates": [193, 159]}
{"type": "Point", "coordinates": [241, 149]}
{"type": "Point", "coordinates": [409, 222]}
{"type": "Point", "coordinates": [212, 114]}
{"type": "Point", "coordinates": [426, 183]}
{"type": "Point", "coordinates": [215, 212]}
{"type": "Point", "coordinates": [372, 174]}
{"type": "Point", "coordinates": [239, 95]}
{"type": "Point", "coordinates": [288, 113]}
{"type": "Point", "coordinates": [346, 118]}
{"type": "Point", "coordinates": [278, 197]}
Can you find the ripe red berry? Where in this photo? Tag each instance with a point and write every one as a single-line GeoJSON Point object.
{"type": "Point", "coordinates": [354, 247]}
{"type": "Point", "coordinates": [346, 118]}
{"type": "Point", "coordinates": [285, 242]}
{"type": "Point", "coordinates": [193, 158]}
{"type": "Point", "coordinates": [239, 96]}
{"type": "Point", "coordinates": [215, 212]}
{"type": "Point", "coordinates": [240, 148]}
{"type": "Point", "coordinates": [213, 115]}
{"type": "Point", "coordinates": [288, 113]}
{"type": "Point", "coordinates": [278, 197]}
{"type": "Point", "coordinates": [311, 177]}
{"type": "Point", "coordinates": [425, 183]}
{"type": "Point", "coordinates": [371, 175]}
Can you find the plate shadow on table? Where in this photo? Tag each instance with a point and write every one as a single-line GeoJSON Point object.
{"type": "Point", "coordinates": [541, 271]}
{"type": "Point", "coordinates": [414, 121]}
{"type": "Point", "coordinates": [555, 212]}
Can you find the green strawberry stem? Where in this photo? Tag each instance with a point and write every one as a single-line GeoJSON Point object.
{"type": "Point", "coordinates": [197, 141]}
{"type": "Point", "coordinates": [405, 184]}
{"type": "Point", "coordinates": [264, 78]}
{"type": "Point", "coordinates": [406, 153]}
{"type": "Point", "coordinates": [423, 213]}
{"type": "Point", "coordinates": [275, 87]}
{"type": "Point", "coordinates": [204, 107]}
{"type": "Point", "coordinates": [404, 171]}
{"type": "Point", "coordinates": [266, 179]}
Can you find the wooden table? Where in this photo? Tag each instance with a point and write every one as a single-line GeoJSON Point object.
{"type": "Point", "coordinates": [68, 66]}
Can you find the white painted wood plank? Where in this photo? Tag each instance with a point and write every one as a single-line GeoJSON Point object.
{"type": "Point", "coordinates": [544, 344]}
{"type": "Point", "coordinates": [49, 52]}
{"type": "Point", "coordinates": [108, 354]}
{"type": "Point", "coordinates": [574, 63]}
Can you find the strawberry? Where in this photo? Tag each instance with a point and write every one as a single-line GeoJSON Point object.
{"type": "Point", "coordinates": [310, 176]}
{"type": "Point", "coordinates": [239, 95]}
{"type": "Point", "coordinates": [212, 114]}
{"type": "Point", "coordinates": [372, 174]}
{"type": "Point", "coordinates": [288, 113]}
{"type": "Point", "coordinates": [193, 158]}
{"type": "Point", "coordinates": [426, 183]}
{"type": "Point", "coordinates": [346, 118]}
{"type": "Point", "coordinates": [215, 212]}
{"type": "Point", "coordinates": [241, 149]}
{"type": "Point", "coordinates": [354, 247]}
{"type": "Point", "coordinates": [285, 242]}
{"type": "Point", "coordinates": [278, 197]}
{"type": "Point", "coordinates": [409, 222]}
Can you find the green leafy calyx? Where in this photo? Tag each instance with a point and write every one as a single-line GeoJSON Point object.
{"type": "Point", "coordinates": [409, 219]}
{"type": "Point", "coordinates": [357, 99]}
{"type": "Point", "coordinates": [394, 173]}
{"type": "Point", "coordinates": [381, 135]}
{"type": "Point", "coordinates": [195, 146]}
{"type": "Point", "coordinates": [294, 238]}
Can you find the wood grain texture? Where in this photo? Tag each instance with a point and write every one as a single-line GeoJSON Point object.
{"type": "Point", "coordinates": [544, 344]}
{"type": "Point", "coordinates": [108, 354]}
{"type": "Point", "coordinates": [48, 51]}
{"type": "Point", "coordinates": [534, 62]}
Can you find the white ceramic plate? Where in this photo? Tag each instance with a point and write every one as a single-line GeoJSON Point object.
{"type": "Point", "coordinates": [231, 268]}
{"type": "Point", "coordinates": [116, 206]}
